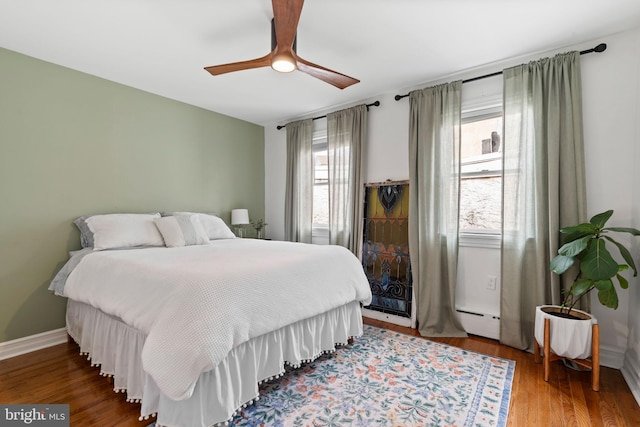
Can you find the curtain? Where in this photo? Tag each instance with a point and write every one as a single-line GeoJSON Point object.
{"type": "Point", "coordinates": [543, 186]}
{"type": "Point", "coordinates": [434, 181]}
{"type": "Point", "coordinates": [346, 132]}
{"type": "Point", "coordinates": [298, 210]}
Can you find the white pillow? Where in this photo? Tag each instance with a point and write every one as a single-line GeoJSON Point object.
{"type": "Point", "coordinates": [181, 230]}
{"type": "Point", "coordinates": [214, 226]}
{"type": "Point", "coordinates": [112, 231]}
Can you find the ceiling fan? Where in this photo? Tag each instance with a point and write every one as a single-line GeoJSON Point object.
{"type": "Point", "coordinates": [283, 56]}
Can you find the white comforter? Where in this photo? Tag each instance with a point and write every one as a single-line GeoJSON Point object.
{"type": "Point", "coordinates": [196, 303]}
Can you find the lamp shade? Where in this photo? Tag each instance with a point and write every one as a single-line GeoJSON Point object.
{"type": "Point", "coordinates": [239, 216]}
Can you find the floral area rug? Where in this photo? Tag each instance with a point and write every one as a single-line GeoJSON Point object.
{"type": "Point", "coordinates": [388, 379]}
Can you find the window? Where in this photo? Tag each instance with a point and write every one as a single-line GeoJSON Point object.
{"type": "Point", "coordinates": [320, 181]}
{"type": "Point", "coordinates": [481, 172]}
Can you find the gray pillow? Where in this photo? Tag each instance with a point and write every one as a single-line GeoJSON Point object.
{"type": "Point", "coordinates": [86, 235]}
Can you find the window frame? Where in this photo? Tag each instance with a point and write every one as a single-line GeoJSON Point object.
{"type": "Point", "coordinates": [319, 143]}
{"type": "Point", "coordinates": [481, 237]}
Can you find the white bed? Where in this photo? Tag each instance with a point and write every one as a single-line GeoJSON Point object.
{"type": "Point", "coordinates": [191, 331]}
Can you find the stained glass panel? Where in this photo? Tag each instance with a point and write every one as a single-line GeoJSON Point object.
{"type": "Point", "coordinates": [385, 252]}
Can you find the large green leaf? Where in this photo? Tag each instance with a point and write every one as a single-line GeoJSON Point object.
{"type": "Point", "coordinates": [561, 263]}
{"type": "Point", "coordinates": [581, 286]}
{"type": "Point", "coordinates": [601, 219]}
{"type": "Point", "coordinates": [629, 230]}
{"type": "Point", "coordinates": [607, 293]}
{"type": "Point", "coordinates": [597, 263]}
{"type": "Point", "coordinates": [625, 254]}
{"type": "Point", "coordinates": [572, 249]}
{"type": "Point", "coordinates": [577, 235]}
{"type": "Point", "coordinates": [603, 285]}
{"type": "Point", "coordinates": [580, 228]}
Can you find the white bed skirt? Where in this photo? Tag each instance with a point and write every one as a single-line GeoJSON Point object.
{"type": "Point", "coordinates": [116, 348]}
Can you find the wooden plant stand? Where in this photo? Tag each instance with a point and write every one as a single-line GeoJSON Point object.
{"type": "Point", "coordinates": [592, 363]}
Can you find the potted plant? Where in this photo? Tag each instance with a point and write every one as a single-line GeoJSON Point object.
{"type": "Point", "coordinates": [586, 245]}
{"type": "Point", "coordinates": [259, 227]}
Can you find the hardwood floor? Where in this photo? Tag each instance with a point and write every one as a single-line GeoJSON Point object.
{"type": "Point", "coordinates": [60, 375]}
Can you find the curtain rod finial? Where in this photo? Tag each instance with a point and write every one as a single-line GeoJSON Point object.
{"type": "Point", "coordinates": [600, 48]}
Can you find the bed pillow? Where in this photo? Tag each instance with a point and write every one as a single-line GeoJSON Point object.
{"type": "Point", "coordinates": [111, 231]}
{"type": "Point", "coordinates": [214, 226]}
{"type": "Point", "coordinates": [181, 230]}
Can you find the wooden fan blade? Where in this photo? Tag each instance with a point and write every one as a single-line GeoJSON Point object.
{"type": "Point", "coordinates": [265, 61]}
{"type": "Point", "coordinates": [339, 80]}
{"type": "Point", "coordinates": [286, 14]}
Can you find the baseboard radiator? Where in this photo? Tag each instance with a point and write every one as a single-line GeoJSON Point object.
{"type": "Point", "coordinates": [478, 323]}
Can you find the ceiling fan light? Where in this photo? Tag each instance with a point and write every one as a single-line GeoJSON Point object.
{"type": "Point", "coordinates": [283, 63]}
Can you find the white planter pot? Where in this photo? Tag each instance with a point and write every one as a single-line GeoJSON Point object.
{"type": "Point", "coordinates": [570, 338]}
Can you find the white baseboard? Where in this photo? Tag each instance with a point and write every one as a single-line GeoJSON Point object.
{"type": "Point", "coordinates": [631, 373]}
{"type": "Point", "coordinates": [31, 343]}
{"type": "Point", "coordinates": [611, 357]}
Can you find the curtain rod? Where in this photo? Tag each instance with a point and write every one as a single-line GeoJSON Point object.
{"type": "Point", "coordinates": [373, 104]}
{"type": "Point", "coordinates": [600, 48]}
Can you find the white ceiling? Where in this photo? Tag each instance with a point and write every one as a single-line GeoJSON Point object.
{"type": "Point", "coordinates": [161, 46]}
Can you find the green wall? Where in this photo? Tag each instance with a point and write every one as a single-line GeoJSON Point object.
{"type": "Point", "coordinates": [73, 144]}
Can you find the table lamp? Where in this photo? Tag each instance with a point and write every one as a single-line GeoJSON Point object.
{"type": "Point", "coordinates": [239, 218]}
